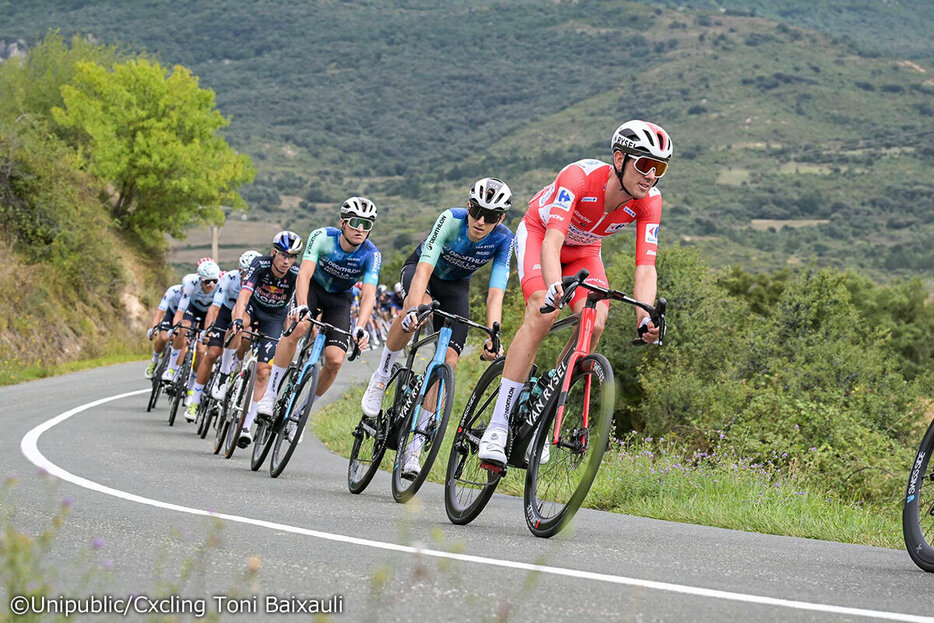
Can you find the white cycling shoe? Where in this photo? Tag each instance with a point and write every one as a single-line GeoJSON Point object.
{"type": "Point", "coordinates": [169, 375]}
{"type": "Point", "coordinates": [372, 400]}
{"type": "Point", "coordinates": [266, 405]}
{"type": "Point", "coordinates": [219, 391]}
{"type": "Point", "coordinates": [493, 446]}
{"type": "Point", "coordinates": [411, 467]}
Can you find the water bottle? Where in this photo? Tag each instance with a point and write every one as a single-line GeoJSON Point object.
{"type": "Point", "coordinates": [524, 427]}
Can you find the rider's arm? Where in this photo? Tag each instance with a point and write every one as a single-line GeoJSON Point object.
{"type": "Point", "coordinates": [494, 306]}
{"type": "Point", "coordinates": [367, 297]}
{"type": "Point", "coordinates": [242, 300]}
{"type": "Point", "coordinates": [415, 295]}
{"type": "Point", "coordinates": [317, 241]}
{"type": "Point", "coordinates": [213, 310]}
{"type": "Point", "coordinates": [551, 256]}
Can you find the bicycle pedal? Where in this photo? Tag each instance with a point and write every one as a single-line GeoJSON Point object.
{"type": "Point", "coordinates": [496, 468]}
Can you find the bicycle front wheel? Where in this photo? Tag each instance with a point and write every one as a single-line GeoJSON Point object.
{"type": "Point", "coordinates": [157, 380]}
{"type": "Point", "coordinates": [265, 429]}
{"type": "Point", "coordinates": [226, 411]}
{"type": "Point", "coordinates": [240, 409]}
{"type": "Point", "coordinates": [559, 475]}
{"type": "Point", "coordinates": [422, 438]}
{"type": "Point", "coordinates": [289, 428]}
{"type": "Point", "coordinates": [918, 512]}
{"type": "Point", "coordinates": [467, 486]}
{"type": "Point", "coordinates": [370, 436]}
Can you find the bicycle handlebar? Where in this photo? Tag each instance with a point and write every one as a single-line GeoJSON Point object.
{"type": "Point", "coordinates": [354, 347]}
{"type": "Point", "coordinates": [425, 310]}
{"type": "Point", "coordinates": [656, 313]}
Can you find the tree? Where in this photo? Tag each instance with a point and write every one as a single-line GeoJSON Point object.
{"type": "Point", "coordinates": [153, 135]}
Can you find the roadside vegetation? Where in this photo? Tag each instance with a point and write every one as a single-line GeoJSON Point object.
{"type": "Point", "coordinates": [102, 153]}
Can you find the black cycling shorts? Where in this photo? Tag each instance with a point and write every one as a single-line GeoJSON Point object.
{"type": "Point", "coordinates": [334, 308]}
{"type": "Point", "coordinates": [195, 317]}
{"type": "Point", "coordinates": [221, 324]}
{"type": "Point", "coordinates": [269, 323]}
{"type": "Point", "coordinates": [454, 297]}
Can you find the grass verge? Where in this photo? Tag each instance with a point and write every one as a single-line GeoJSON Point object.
{"type": "Point", "coordinates": [664, 480]}
{"type": "Point", "coordinates": [13, 372]}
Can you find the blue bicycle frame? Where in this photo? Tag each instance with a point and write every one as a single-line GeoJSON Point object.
{"type": "Point", "coordinates": [317, 348]}
{"type": "Point", "coordinates": [444, 338]}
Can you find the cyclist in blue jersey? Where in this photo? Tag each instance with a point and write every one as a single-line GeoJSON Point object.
{"type": "Point", "coordinates": [218, 319]}
{"type": "Point", "coordinates": [461, 241]}
{"type": "Point", "coordinates": [196, 297]}
{"type": "Point", "coordinates": [334, 260]}
{"type": "Point", "coordinates": [263, 305]}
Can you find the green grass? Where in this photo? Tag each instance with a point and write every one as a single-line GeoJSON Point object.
{"type": "Point", "coordinates": [13, 372]}
{"type": "Point", "coordinates": [663, 480]}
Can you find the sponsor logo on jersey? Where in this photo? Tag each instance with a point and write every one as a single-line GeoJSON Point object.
{"type": "Point", "coordinates": [546, 194]}
{"type": "Point", "coordinates": [650, 252]}
{"type": "Point", "coordinates": [588, 200]}
{"type": "Point", "coordinates": [615, 227]}
{"type": "Point", "coordinates": [651, 233]}
{"type": "Point", "coordinates": [565, 198]}
{"type": "Point", "coordinates": [630, 212]}
{"type": "Point", "coordinates": [555, 217]}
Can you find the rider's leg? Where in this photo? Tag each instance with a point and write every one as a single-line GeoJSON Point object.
{"type": "Point", "coordinates": [333, 360]}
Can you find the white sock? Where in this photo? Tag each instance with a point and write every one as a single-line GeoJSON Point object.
{"type": "Point", "coordinates": [386, 360]}
{"type": "Point", "coordinates": [275, 377]}
{"type": "Point", "coordinates": [424, 416]}
{"type": "Point", "coordinates": [173, 357]}
{"type": "Point", "coordinates": [227, 360]}
{"type": "Point", "coordinates": [196, 397]}
{"type": "Point", "coordinates": [508, 394]}
{"type": "Point", "coordinates": [250, 416]}
{"type": "Point", "coordinates": [155, 357]}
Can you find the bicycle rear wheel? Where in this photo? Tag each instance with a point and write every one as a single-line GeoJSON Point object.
{"type": "Point", "coordinates": [157, 380]}
{"type": "Point", "coordinates": [918, 512]}
{"type": "Point", "coordinates": [428, 434]}
{"type": "Point", "coordinates": [241, 406]}
{"type": "Point", "coordinates": [370, 436]}
{"type": "Point", "coordinates": [559, 475]}
{"type": "Point", "coordinates": [226, 411]}
{"type": "Point", "coordinates": [180, 384]}
{"type": "Point", "coordinates": [467, 486]}
{"type": "Point", "coordinates": [290, 426]}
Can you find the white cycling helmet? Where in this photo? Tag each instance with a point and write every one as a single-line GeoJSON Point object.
{"type": "Point", "coordinates": [360, 207]}
{"type": "Point", "coordinates": [287, 242]}
{"type": "Point", "coordinates": [491, 194]}
{"type": "Point", "coordinates": [209, 270]}
{"type": "Point", "coordinates": [641, 138]}
{"type": "Point", "coordinates": [397, 287]}
{"type": "Point", "coordinates": [247, 258]}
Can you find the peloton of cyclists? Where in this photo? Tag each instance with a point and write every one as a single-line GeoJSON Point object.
{"type": "Point", "coordinates": [460, 242]}
{"type": "Point", "coordinates": [335, 259]}
{"type": "Point", "coordinates": [562, 232]}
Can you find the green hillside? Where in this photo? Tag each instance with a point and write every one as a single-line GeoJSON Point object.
{"type": "Point", "coordinates": [826, 142]}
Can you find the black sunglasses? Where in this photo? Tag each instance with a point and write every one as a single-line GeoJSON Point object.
{"type": "Point", "coordinates": [209, 281]}
{"type": "Point", "coordinates": [488, 216]}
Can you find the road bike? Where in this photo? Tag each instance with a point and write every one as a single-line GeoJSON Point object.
{"type": "Point", "coordinates": [399, 425]}
{"type": "Point", "coordinates": [160, 369]}
{"type": "Point", "coordinates": [239, 394]}
{"type": "Point", "coordinates": [558, 428]}
{"type": "Point", "coordinates": [918, 510]}
{"type": "Point", "coordinates": [281, 433]}
{"type": "Point", "coordinates": [178, 387]}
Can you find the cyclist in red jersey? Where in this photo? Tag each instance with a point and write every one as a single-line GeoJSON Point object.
{"type": "Point", "coordinates": [562, 232]}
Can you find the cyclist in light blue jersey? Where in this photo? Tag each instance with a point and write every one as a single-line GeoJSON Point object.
{"type": "Point", "coordinates": [461, 241]}
{"type": "Point", "coordinates": [218, 320]}
{"type": "Point", "coordinates": [335, 259]}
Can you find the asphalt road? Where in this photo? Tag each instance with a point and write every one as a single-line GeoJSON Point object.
{"type": "Point", "coordinates": [154, 513]}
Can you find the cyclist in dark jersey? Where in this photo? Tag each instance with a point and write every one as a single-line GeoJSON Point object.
{"type": "Point", "coordinates": [263, 304]}
{"type": "Point", "coordinates": [461, 241]}
{"type": "Point", "coordinates": [334, 260]}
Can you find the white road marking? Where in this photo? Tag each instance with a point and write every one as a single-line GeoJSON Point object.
{"type": "Point", "coordinates": [29, 447]}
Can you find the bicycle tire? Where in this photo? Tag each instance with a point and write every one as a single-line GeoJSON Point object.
{"type": "Point", "coordinates": [296, 414]}
{"type": "Point", "coordinates": [226, 412]}
{"type": "Point", "coordinates": [157, 380]}
{"type": "Point", "coordinates": [555, 490]}
{"type": "Point", "coordinates": [241, 408]}
{"type": "Point", "coordinates": [370, 436]}
{"type": "Point", "coordinates": [265, 432]}
{"type": "Point", "coordinates": [919, 506]}
{"type": "Point", "coordinates": [181, 383]}
{"type": "Point", "coordinates": [467, 486]}
{"type": "Point", "coordinates": [404, 490]}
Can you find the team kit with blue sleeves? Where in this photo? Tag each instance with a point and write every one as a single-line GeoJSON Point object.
{"type": "Point", "coordinates": [336, 271]}
{"type": "Point", "coordinates": [455, 258]}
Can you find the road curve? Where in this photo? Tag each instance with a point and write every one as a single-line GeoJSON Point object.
{"type": "Point", "coordinates": [155, 495]}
